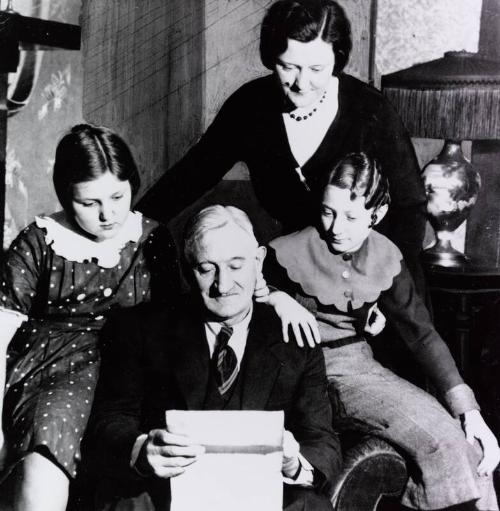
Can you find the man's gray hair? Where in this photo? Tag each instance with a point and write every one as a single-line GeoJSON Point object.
{"type": "Point", "coordinates": [214, 217]}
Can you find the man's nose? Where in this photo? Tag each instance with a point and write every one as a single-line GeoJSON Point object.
{"type": "Point", "coordinates": [224, 281]}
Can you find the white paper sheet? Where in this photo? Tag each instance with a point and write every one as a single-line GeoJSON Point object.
{"type": "Point", "coordinates": [241, 468]}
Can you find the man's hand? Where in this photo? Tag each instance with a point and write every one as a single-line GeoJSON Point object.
{"type": "Point", "coordinates": [475, 428]}
{"type": "Point", "coordinates": [291, 461]}
{"type": "Point", "coordinates": [292, 314]}
{"type": "Point", "coordinates": [166, 455]}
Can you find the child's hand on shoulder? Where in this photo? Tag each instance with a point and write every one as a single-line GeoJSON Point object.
{"type": "Point", "coordinates": [375, 322]}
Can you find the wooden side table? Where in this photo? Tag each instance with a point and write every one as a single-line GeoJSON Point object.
{"type": "Point", "coordinates": [463, 291]}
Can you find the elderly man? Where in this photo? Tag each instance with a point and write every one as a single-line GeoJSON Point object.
{"type": "Point", "coordinates": [220, 352]}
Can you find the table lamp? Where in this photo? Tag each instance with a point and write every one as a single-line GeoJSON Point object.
{"type": "Point", "coordinates": [455, 98]}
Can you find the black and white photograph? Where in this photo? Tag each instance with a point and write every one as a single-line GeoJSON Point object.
{"type": "Point", "coordinates": [250, 255]}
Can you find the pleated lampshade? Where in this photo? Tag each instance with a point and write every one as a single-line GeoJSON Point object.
{"type": "Point", "coordinates": [454, 97]}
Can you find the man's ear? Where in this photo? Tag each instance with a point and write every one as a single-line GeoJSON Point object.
{"type": "Point", "coordinates": [260, 256]}
{"type": "Point", "coordinates": [379, 214]}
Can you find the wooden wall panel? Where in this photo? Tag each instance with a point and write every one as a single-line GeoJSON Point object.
{"type": "Point", "coordinates": [158, 71]}
{"type": "Point", "coordinates": [143, 64]}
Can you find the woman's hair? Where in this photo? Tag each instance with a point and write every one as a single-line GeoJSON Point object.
{"type": "Point", "coordinates": [304, 21]}
{"type": "Point", "coordinates": [214, 217]}
{"type": "Point", "coordinates": [87, 152]}
{"type": "Point", "coordinates": [361, 175]}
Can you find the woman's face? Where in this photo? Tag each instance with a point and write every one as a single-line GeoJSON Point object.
{"type": "Point", "coordinates": [346, 222]}
{"type": "Point", "coordinates": [101, 206]}
{"type": "Point", "coordinates": [304, 70]}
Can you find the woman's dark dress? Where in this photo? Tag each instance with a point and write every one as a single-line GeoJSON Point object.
{"type": "Point", "coordinates": [249, 127]}
{"type": "Point", "coordinates": [52, 364]}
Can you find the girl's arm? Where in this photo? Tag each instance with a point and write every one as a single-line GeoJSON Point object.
{"type": "Point", "coordinates": [279, 295]}
{"type": "Point", "coordinates": [408, 314]}
{"type": "Point", "coordinates": [9, 323]}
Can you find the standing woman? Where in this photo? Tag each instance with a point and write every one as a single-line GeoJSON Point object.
{"type": "Point", "coordinates": [294, 125]}
{"type": "Point", "coordinates": [61, 278]}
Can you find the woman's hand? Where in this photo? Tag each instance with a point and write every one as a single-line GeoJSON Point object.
{"type": "Point", "coordinates": [375, 322]}
{"type": "Point", "coordinates": [475, 428]}
{"type": "Point", "coordinates": [293, 315]}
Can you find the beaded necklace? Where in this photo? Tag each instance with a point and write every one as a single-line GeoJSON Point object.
{"type": "Point", "coordinates": [296, 117]}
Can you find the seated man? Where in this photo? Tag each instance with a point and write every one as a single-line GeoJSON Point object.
{"type": "Point", "coordinates": [157, 361]}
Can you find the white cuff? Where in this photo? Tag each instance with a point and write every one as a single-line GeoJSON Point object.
{"type": "Point", "coordinates": [11, 318]}
{"type": "Point", "coordinates": [136, 450]}
{"type": "Point", "coordinates": [460, 399]}
{"type": "Point", "coordinates": [306, 474]}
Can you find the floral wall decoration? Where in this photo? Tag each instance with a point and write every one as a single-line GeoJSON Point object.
{"type": "Point", "coordinates": [55, 104]}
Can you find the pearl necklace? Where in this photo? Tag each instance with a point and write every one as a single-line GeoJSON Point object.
{"type": "Point", "coordinates": [297, 118]}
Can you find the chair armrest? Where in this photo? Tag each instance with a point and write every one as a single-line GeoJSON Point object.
{"type": "Point", "coordinates": [372, 469]}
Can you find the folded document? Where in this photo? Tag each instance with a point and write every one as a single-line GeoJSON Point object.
{"type": "Point", "coordinates": [241, 468]}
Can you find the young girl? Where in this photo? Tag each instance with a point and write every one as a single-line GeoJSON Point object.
{"type": "Point", "coordinates": [340, 271]}
{"type": "Point", "coordinates": [61, 278]}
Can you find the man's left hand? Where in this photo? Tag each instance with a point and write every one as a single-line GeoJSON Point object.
{"type": "Point", "coordinates": [291, 463]}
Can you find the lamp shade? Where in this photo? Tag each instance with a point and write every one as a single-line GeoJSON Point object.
{"type": "Point", "coordinates": [454, 97]}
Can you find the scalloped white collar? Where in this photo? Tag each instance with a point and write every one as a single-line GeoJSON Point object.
{"type": "Point", "coordinates": [73, 246]}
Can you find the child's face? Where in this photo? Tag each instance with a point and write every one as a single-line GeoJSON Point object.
{"type": "Point", "coordinates": [346, 222]}
{"type": "Point", "coordinates": [101, 206]}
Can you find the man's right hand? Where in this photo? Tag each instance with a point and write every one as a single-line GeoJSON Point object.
{"type": "Point", "coordinates": [166, 455]}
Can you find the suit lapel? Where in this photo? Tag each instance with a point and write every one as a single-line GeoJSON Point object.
{"type": "Point", "coordinates": [262, 362]}
{"type": "Point", "coordinates": [192, 364]}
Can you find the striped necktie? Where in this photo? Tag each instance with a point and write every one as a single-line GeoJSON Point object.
{"type": "Point", "coordinates": [225, 361]}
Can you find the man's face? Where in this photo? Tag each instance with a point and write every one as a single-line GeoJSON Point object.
{"type": "Point", "coordinates": [226, 263]}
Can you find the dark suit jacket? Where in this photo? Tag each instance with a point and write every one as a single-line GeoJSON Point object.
{"type": "Point", "coordinates": [151, 365]}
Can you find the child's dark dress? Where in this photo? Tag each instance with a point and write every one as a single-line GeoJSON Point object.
{"type": "Point", "coordinates": [64, 285]}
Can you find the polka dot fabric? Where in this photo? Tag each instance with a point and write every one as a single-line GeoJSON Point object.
{"type": "Point", "coordinates": [53, 360]}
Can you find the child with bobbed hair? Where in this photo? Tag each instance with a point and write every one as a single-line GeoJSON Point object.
{"type": "Point", "coordinates": [61, 278]}
{"type": "Point", "coordinates": [350, 276]}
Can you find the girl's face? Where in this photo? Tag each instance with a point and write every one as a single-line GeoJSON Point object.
{"type": "Point", "coordinates": [101, 206]}
{"type": "Point", "coordinates": [346, 222]}
{"type": "Point", "coordinates": [304, 70]}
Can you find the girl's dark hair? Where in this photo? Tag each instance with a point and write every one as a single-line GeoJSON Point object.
{"type": "Point", "coordinates": [304, 21]}
{"type": "Point", "coordinates": [361, 175]}
{"type": "Point", "coordinates": [87, 152]}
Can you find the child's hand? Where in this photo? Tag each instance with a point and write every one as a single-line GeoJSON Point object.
{"type": "Point", "coordinates": [375, 322]}
{"type": "Point", "coordinates": [475, 428]}
{"type": "Point", "coordinates": [293, 315]}
{"type": "Point", "coordinates": [261, 291]}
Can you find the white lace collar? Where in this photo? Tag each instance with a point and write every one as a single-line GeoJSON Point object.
{"type": "Point", "coordinates": [71, 245]}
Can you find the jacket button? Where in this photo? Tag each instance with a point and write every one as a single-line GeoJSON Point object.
{"type": "Point", "coordinates": [345, 274]}
{"type": "Point", "coordinates": [347, 256]}
{"type": "Point", "coordinates": [348, 293]}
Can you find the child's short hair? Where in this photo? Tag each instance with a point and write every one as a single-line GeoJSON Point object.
{"type": "Point", "coordinates": [361, 175]}
{"type": "Point", "coordinates": [87, 152]}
